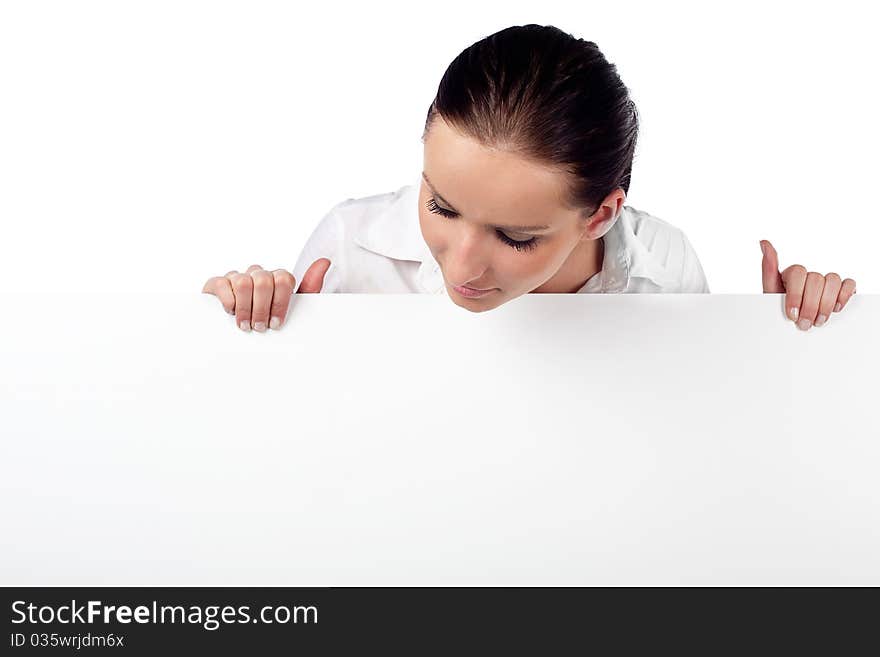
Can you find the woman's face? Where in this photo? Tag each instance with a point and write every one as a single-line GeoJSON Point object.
{"type": "Point", "coordinates": [508, 230]}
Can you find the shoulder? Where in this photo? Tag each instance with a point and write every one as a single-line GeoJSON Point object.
{"type": "Point", "coordinates": [386, 224]}
{"type": "Point", "coordinates": [369, 221]}
{"type": "Point", "coordinates": [368, 236]}
{"type": "Point", "coordinates": [378, 222]}
{"type": "Point", "coordinates": [658, 255]}
{"type": "Point", "coordinates": [364, 209]}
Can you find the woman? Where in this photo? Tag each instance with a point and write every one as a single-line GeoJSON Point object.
{"type": "Point", "coordinates": [528, 150]}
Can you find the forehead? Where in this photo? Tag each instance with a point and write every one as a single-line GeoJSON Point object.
{"type": "Point", "coordinates": [491, 185]}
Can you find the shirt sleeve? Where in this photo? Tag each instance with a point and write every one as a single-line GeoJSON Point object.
{"type": "Point", "coordinates": [693, 279]}
{"type": "Point", "coordinates": [326, 241]}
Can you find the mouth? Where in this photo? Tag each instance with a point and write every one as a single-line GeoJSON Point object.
{"type": "Point", "coordinates": [472, 293]}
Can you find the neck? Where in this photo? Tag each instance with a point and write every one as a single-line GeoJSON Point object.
{"type": "Point", "coordinates": [581, 265]}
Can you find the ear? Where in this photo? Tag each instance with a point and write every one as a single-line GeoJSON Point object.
{"type": "Point", "coordinates": [601, 221]}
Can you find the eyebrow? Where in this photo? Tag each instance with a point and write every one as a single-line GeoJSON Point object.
{"type": "Point", "coordinates": [514, 229]}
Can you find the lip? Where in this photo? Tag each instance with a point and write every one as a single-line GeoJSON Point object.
{"type": "Point", "coordinates": [472, 293]}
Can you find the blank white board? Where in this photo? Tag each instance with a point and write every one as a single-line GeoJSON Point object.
{"type": "Point", "coordinates": [402, 440]}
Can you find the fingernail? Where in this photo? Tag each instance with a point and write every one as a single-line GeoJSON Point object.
{"type": "Point", "coordinates": [803, 324]}
{"type": "Point", "coordinates": [837, 307]}
{"type": "Point", "coordinates": [245, 325]}
{"type": "Point", "coordinates": [821, 319]}
{"type": "Point", "coordinates": [260, 326]}
{"type": "Point", "coordinates": [793, 313]}
{"type": "Point", "coordinates": [274, 323]}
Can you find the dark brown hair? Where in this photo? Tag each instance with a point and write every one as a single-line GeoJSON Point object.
{"type": "Point", "coordinates": [539, 92]}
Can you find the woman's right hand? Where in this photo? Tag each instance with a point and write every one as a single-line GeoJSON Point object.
{"type": "Point", "coordinates": [260, 298]}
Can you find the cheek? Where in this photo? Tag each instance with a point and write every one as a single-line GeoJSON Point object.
{"type": "Point", "coordinates": [526, 267]}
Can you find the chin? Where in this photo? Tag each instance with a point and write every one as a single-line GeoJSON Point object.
{"type": "Point", "coordinates": [473, 307]}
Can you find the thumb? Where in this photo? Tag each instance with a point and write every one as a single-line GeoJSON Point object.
{"type": "Point", "coordinates": [313, 278]}
{"type": "Point", "coordinates": [770, 269]}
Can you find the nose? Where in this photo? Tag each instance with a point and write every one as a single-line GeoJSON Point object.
{"type": "Point", "coordinates": [467, 258]}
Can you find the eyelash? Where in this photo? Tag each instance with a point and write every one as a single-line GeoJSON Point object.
{"type": "Point", "coordinates": [526, 245]}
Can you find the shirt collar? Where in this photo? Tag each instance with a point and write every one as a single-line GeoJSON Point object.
{"type": "Point", "coordinates": [632, 257]}
{"type": "Point", "coordinates": [395, 233]}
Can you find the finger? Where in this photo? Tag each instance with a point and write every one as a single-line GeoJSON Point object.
{"type": "Point", "coordinates": [847, 290]}
{"type": "Point", "coordinates": [813, 287]}
{"type": "Point", "coordinates": [220, 287]}
{"type": "Point", "coordinates": [313, 278]}
{"type": "Point", "coordinates": [243, 288]}
{"type": "Point", "coordinates": [771, 278]}
{"type": "Point", "coordinates": [253, 268]}
{"type": "Point", "coordinates": [264, 288]}
{"type": "Point", "coordinates": [829, 297]}
{"type": "Point", "coordinates": [793, 278]}
{"type": "Point", "coordinates": [231, 273]}
{"type": "Point", "coordinates": [284, 284]}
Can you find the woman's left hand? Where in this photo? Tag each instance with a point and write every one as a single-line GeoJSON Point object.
{"type": "Point", "coordinates": [810, 297]}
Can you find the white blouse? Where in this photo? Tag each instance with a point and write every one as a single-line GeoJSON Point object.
{"type": "Point", "coordinates": [375, 244]}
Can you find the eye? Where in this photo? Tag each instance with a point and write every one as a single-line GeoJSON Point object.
{"type": "Point", "coordinates": [524, 245]}
{"type": "Point", "coordinates": [527, 245]}
{"type": "Point", "coordinates": [436, 209]}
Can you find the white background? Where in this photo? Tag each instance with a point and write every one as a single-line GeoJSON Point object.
{"type": "Point", "coordinates": [151, 145]}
